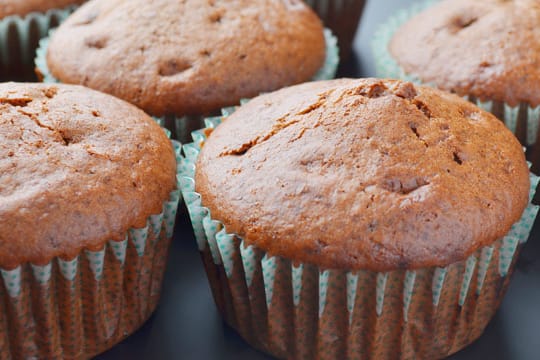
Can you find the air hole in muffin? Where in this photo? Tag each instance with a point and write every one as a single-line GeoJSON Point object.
{"type": "Point", "coordinates": [422, 107]}
{"type": "Point", "coordinates": [173, 67]}
{"type": "Point", "coordinates": [96, 42]}
{"type": "Point", "coordinates": [462, 21]}
{"type": "Point", "coordinates": [216, 17]}
{"type": "Point", "coordinates": [485, 64]}
{"type": "Point", "coordinates": [404, 186]}
{"type": "Point", "coordinates": [457, 158]}
{"type": "Point", "coordinates": [371, 200]}
{"type": "Point", "coordinates": [66, 138]}
{"type": "Point", "coordinates": [242, 56]}
{"type": "Point", "coordinates": [414, 130]}
{"type": "Point", "coordinates": [206, 53]}
{"type": "Point", "coordinates": [468, 22]}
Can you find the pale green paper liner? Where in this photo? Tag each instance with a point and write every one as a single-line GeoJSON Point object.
{"type": "Point", "coordinates": [304, 312]}
{"type": "Point", "coordinates": [77, 308]}
{"type": "Point", "coordinates": [182, 126]}
{"type": "Point", "coordinates": [19, 38]}
{"type": "Point", "coordinates": [522, 119]}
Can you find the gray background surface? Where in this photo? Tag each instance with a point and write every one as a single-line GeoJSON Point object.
{"type": "Point", "coordinates": [187, 326]}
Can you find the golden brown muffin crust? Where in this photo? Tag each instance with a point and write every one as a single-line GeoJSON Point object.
{"type": "Point", "coordinates": [24, 7]}
{"type": "Point", "coordinates": [364, 174]}
{"type": "Point", "coordinates": [486, 48]}
{"type": "Point", "coordinates": [187, 57]}
{"type": "Point", "coordinates": [77, 168]}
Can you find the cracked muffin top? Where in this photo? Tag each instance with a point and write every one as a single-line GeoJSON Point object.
{"type": "Point", "coordinates": [187, 57]}
{"type": "Point", "coordinates": [24, 7]}
{"type": "Point", "coordinates": [364, 174]}
{"type": "Point", "coordinates": [486, 48]}
{"type": "Point", "coordinates": [77, 168]}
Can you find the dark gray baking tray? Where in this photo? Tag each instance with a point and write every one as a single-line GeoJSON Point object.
{"type": "Point", "coordinates": [187, 326]}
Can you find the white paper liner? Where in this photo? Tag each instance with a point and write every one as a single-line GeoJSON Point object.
{"type": "Point", "coordinates": [522, 119]}
{"type": "Point", "coordinates": [239, 274]}
{"type": "Point", "coordinates": [79, 307]}
{"type": "Point", "coordinates": [184, 125]}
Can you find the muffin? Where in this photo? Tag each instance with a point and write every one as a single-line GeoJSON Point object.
{"type": "Point", "coordinates": [484, 50]}
{"type": "Point", "coordinates": [23, 23]}
{"type": "Point", "coordinates": [358, 219]}
{"type": "Point", "coordinates": [343, 17]}
{"type": "Point", "coordinates": [88, 199]}
{"type": "Point", "coordinates": [190, 57]}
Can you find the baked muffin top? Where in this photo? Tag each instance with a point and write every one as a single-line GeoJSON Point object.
{"type": "Point", "coordinates": [24, 7]}
{"type": "Point", "coordinates": [187, 57]}
{"type": "Point", "coordinates": [486, 48]}
{"type": "Point", "coordinates": [364, 174]}
{"type": "Point", "coordinates": [77, 168]}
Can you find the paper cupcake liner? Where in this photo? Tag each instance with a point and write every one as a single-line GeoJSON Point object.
{"type": "Point", "coordinates": [522, 119]}
{"type": "Point", "coordinates": [19, 38]}
{"type": "Point", "coordinates": [343, 17]}
{"type": "Point", "coordinates": [77, 308]}
{"type": "Point", "coordinates": [182, 126]}
{"type": "Point", "coordinates": [300, 311]}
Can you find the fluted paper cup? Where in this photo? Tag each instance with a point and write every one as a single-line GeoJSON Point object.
{"type": "Point", "coordinates": [76, 308]}
{"type": "Point", "coordinates": [300, 311]}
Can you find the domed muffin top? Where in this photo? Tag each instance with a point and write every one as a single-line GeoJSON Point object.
{"type": "Point", "coordinates": [24, 7]}
{"type": "Point", "coordinates": [187, 57]}
{"type": "Point", "coordinates": [486, 48]}
{"type": "Point", "coordinates": [364, 174]}
{"type": "Point", "coordinates": [77, 168]}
